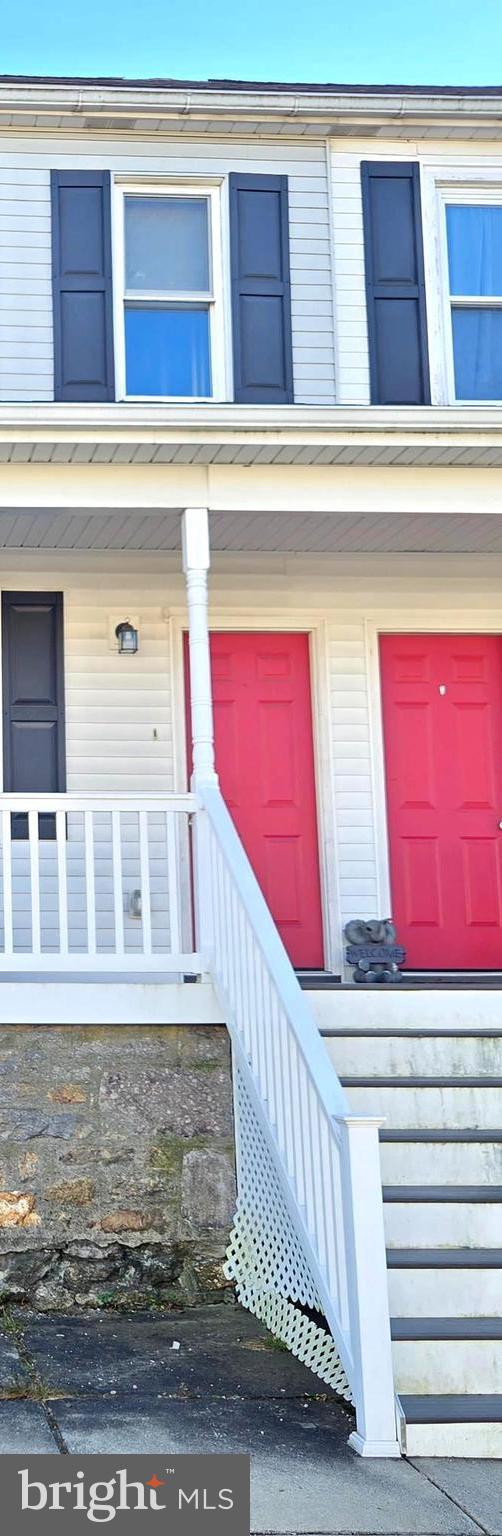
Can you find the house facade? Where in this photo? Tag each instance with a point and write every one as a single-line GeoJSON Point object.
{"type": "Point", "coordinates": [250, 534]}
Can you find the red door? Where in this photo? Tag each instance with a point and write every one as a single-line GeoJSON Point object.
{"type": "Point", "coordinates": [265, 760]}
{"type": "Point", "coordinates": [442, 711]}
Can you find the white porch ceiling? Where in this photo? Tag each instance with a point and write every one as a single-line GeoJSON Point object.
{"type": "Point", "coordinates": [257, 532]}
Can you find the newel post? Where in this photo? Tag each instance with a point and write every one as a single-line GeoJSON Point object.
{"type": "Point", "coordinates": [376, 1432]}
{"type": "Point", "coordinates": [196, 562]}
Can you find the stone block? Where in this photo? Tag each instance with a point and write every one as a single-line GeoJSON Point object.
{"type": "Point", "coordinates": [72, 1192]}
{"type": "Point", "coordinates": [185, 1103]}
{"type": "Point", "coordinates": [18, 1210]}
{"type": "Point", "coordinates": [207, 1191]}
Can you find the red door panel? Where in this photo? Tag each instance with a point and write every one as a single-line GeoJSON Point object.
{"type": "Point", "coordinates": [265, 761]}
{"type": "Point", "coordinates": [442, 714]}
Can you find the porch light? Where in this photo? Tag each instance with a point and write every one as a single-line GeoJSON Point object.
{"type": "Point", "coordinates": [127, 637]}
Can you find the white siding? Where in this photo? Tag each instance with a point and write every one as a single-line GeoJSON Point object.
{"type": "Point", "coordinates": [26, 366]}
{"type": "Point", "coordinates": [26, 351]}
{"type": "Point", "coordinates": [353, 379]}
{"type": "Point", "coordinates": [349, 714]}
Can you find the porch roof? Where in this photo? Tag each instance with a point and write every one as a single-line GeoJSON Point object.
{"type": "Point", "coordinates": [123, 434]}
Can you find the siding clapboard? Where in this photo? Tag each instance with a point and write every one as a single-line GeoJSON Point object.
{"type": "Point", "coordinates": [25, 259]}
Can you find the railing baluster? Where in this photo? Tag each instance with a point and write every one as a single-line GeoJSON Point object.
{"type": "Point", "coordinates": [90, 894]}
{"type": "Point", "coordinates": [331, 1213]}
{"type": "Point", "coordinates": [296, 1066]}
{"type": "Point", "coordinates": [62, 882]}
{"type": "Point", "coordinates": [118, 899]}
{"type": "Point", "coordinates": [144, 864]}
{"type": "Point", "coordinates": [173, 884]}
{"type": "Point", "coordinates": [36, 945]}
{"type": "Point", "coordinates": [8, 927]}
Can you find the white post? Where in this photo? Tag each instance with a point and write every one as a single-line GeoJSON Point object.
{"type": "Point", "coordinates": [196, 561]}
{"type": "Point", "coordinates": [376, 1431]}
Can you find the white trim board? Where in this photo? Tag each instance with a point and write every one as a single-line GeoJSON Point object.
{"type": "Point", "coordinates": [102, 1002]}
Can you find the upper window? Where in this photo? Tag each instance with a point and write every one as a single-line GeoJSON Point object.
{"type": "Point", "coordinates": [168, 332]}
{"type": "Point", "coordinates": [474, 238]}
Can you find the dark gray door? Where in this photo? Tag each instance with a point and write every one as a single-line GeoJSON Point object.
{"type": "Point", "coordinates": [33, 698]}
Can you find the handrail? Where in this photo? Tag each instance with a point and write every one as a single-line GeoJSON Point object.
{"type": "Point", "coordinates": [95, 799]}
{"type": "Point", "coordinates": [323, 1161]}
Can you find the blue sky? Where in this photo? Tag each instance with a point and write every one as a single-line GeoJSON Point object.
{"type": "Point", "coordinates": [437, 41]}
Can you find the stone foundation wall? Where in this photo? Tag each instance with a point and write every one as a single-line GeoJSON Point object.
{"type": "Point", "coordinates": [116, 1165]}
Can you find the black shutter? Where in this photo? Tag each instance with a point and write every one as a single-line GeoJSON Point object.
{"type": "Point", "coordinates": [33, 698]}
{"type": "Point", "coordinates": [261, 299]}
{"type": "Point", "coordinates": [395, 289]}
{"type": "Point", "coordinates": [82, 285]}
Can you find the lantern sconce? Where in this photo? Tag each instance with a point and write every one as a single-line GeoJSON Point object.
{"type": "Point", "coordinates": [127, 638]}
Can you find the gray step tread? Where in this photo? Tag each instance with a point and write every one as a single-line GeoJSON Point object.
{"type": "Point", "coordinates": [329, 1032]}
{"type": "Point", "coordinates": [444, 1258]}
{"type": "Point", "coordinates": [446, 1328]}
{"type": "Point", "coordinates": [461, 1135]}
{"type": "Point", "coordinates": [461, 1409]}
{"type": "Point", "coordinates": [461, 1194]}
{"type": "Point", "coordinates": [487, 1081]}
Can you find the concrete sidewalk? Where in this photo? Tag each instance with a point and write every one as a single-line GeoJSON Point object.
{"type": "Point", "coordinates": [212, 1380]}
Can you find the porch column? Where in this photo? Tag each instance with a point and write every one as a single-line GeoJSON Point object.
{"type": "Point", "coordinates": [196, 562]}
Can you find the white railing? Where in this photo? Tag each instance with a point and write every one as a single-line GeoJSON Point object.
{"type": "Point", "coordinates": [96, 883]}
{"type": "Point", "coordinates": [308, 1242]}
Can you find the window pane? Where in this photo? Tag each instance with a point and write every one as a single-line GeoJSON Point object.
{"type": "Point", "coordinates": [167, 244]}
{"type": "Point", "coordinates": [475, 249]}
{"type": "Point", "coordinates": [477, 348]}
{"type": "Point", "coordinates": [167, 351]}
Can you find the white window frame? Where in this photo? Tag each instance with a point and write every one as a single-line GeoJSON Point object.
{"type": "Point", "coordinates": [469, 194]}
{"type": "Point", "coordinates": [214, 298]}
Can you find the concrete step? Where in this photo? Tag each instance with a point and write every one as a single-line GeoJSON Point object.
{"type": "Point", "coordinates": [404, 1007]}
{"type": "Point", "coordinates": [418, 1291]}
{"type": "Point", "coordinates": [443, 1216]}
{"type": "Point", "coordinates": [414, 1055]}
{"type": "Point", "coordinates": [416, 1103]}
{"type": "Point", "coordinates": [448, 1366]}
{"type": "Point", "coordinates": [427, 1158]}
{"type": "Point", "coordinates": [467, 1424]}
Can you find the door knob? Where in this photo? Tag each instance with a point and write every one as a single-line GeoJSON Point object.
{"type": "Point", "coordinates": [500, 826]}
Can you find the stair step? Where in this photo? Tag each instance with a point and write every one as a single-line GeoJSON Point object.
{"type": "Point", "coordinates": [483, 1408]}
{"type": "Point", "coordinates": [457, 1162]}
{"type": "Point", "coordinates": [460, 1328]}
{"type": "Point", "coordinates": [425, 1291]}
{"type": "Point", "coordinates": [444, 1258]}
{"type": "Point", "coordinates": [443, 1218]}
{"type": "Point", "coordinates": [463, 1194]}
{"type": "Point", "coordinates": [383, 1057]}
{"type": "Point", "coordinates": [417, 1105]}
{"type": "Point", "coordinates": [455, 1424]}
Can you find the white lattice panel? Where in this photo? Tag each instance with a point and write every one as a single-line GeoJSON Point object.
{"type": "Point", "coordinates": [266, 1258]}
